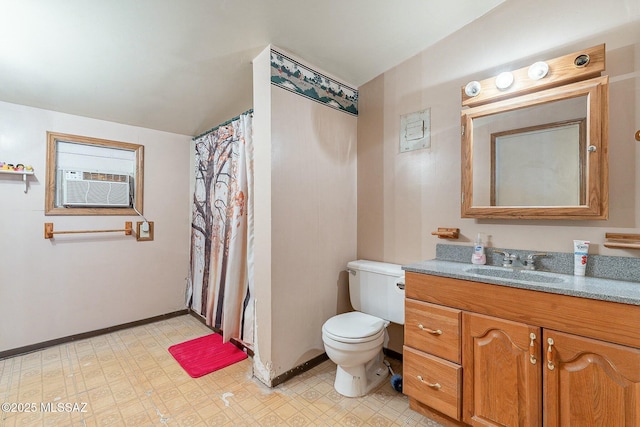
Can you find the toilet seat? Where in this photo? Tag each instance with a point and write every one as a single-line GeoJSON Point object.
{"type": "Point", "coordinates": [354, 327]}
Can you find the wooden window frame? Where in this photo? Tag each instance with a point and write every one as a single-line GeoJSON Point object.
{"type": "Point", "coordinates": [51, 170]}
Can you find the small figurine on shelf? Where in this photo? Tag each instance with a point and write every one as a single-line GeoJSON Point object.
{"type": "Point", "coordinates": [17, 168]}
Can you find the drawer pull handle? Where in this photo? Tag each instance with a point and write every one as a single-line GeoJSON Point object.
{"type": "Point", "coordinates": [435, 386]}
{"type": "Point", "coordinates": [532, 349]}
{"type": "Point", "coordinates": [431, 331]}
{"type": "Point", "coordinates": [550, 364]}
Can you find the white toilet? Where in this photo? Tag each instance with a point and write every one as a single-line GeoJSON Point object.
{"type": "Point", "coordinates": [354, 340]}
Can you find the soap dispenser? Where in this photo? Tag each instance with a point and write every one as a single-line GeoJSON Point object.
{"type": "Point", "coordinates": [478, 257]}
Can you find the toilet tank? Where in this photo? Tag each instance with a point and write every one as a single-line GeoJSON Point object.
{"type": "Point", "coordinates": [377, 288]}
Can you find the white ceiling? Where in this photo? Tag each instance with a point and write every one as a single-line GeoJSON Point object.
{"type": "Point", "coordinates": [184, 66]}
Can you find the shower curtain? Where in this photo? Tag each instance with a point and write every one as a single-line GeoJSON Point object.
{"type": "Point", "coordinates": [220, 285]}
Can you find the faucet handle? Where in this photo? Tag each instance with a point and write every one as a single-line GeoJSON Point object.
{"type": "Point", "coordinates": [529, 263]}
{"type": "Point", "coordinates": [505, 254]}
{"type": "Point", "coordinates": [507, 261]}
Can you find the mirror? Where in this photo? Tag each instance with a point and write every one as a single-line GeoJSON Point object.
{"type": "Point", "coordinates": [538, 163]}
{"type": "Point", "coordinates": [540, 155]}
{"type": "Point", "coordinates": [549, 159]}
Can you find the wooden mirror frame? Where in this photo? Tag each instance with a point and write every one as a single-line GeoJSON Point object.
{"type": "Point", "coordinates": [52, 162]}
{"type": "Point", "coordinates": [597, 192]}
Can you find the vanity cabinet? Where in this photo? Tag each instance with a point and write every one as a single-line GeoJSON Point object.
{"type": "Point", "coordinates": [517, 357]}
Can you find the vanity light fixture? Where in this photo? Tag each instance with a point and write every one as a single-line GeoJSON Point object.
{"type": "Point", "coordinates": [504, 80]}
{"type": "Point", "coordinates": [538, 70]}
{"type": "Point", "coordinates": [473, 88]}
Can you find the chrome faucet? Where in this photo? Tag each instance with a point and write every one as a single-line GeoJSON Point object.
{"type": "Point", "coordinates": [513, 260]}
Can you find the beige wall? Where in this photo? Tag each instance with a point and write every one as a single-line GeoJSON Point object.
{"type": "Point", "coordinates": [314, 222]}
{"type": "Point", "coordinates": [79, 283]}
{"type": "Point", "coordinates": [312, 187]}
{"type": "Point", "coordinates": [412, 194]}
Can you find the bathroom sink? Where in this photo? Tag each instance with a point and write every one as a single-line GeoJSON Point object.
{"type": "Point", "coordinates": [513, 274]}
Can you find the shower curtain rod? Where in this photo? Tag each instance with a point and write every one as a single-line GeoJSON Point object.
{"type": "Point", "coordinates": [222, 124]}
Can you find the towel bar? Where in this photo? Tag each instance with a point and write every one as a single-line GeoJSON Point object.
{"type": "Point", "coordinates": [48, 230]}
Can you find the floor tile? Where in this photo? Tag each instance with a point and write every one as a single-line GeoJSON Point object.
{"type": "Point", "coordinates": [128, 378]}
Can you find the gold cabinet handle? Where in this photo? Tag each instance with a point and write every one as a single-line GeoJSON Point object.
{"type": "Point", "coordinates": [435, 386]}
{"type": "Point", "coordinates": [431, 331]}
{"type": "Point", "coordinates": [532, 349]}
{"type": "Point", "coordinates": [550, 364]}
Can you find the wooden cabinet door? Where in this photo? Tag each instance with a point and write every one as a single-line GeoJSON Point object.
{"type": "Point", "coordinates": [589, 382]}
{"type": "Point", "coordinates": [501, 372]}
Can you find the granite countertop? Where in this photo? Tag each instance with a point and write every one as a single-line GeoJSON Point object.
{"type": "Point", "coordinates": [564, 284]}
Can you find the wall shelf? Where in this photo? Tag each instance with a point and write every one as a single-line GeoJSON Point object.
{"type": "Point", "coordinates": [24, 174]}
{"type": "Point", "coordinates": [622, 241]}
{"type": "Point", "coordinates": [446, 233]}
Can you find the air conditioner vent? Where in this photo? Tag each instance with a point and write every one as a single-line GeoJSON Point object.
{"type": "Point", "coordinates": [80, 188]}
{"type": "Point", "coordinates": [101, 176]}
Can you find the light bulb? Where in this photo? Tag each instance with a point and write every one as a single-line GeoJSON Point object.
{"type": "Point", "coordinates": [538, 70]}
{"type": "Point", "coordinates": [472, 88]}
{"type": "Point", "coordinates": [504, 80]}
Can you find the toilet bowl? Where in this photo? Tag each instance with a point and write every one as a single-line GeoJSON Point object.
{"type": "Point", "coordinates": [354, 340]}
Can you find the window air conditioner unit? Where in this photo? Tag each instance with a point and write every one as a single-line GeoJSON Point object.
{"type": "Point", "coordinates": [80, 188]}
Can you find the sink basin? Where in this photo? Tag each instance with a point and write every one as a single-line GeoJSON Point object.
{"type": "Point", "coordinates": [520, 275]}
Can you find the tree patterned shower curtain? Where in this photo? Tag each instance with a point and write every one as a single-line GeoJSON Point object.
{"type": "Point", "coordinates": [220, 285]}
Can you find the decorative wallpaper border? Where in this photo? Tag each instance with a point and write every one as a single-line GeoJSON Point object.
{"type": "Point", "coordinates": [295, 77]}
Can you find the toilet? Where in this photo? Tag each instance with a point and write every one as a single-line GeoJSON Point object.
{"type": "Point", "coordinates": [354, 340]}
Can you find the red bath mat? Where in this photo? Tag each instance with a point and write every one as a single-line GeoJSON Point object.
{"type": "Point", "coordinates": [206, 354]}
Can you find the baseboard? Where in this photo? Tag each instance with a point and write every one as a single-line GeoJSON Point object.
{"type": "Point", "coordinates": [392, 354]}
{"type": "Point", "coordinates": [315, 362]}
{"type": "Point", "coordinates": [299, 369]}
{"type": "Point", "coordinates": [39, 346]}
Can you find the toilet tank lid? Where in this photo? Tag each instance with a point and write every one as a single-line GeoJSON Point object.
{"type": "Point", "coordinates": [377, 267]}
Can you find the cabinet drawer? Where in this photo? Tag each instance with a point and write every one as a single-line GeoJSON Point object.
{"type": "Point", "coordinates": [433, 381]}
{"type": "Point", "coordinates": [433, 329]}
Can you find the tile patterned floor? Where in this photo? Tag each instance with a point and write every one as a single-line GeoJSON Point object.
{"type": "Point", "coordinates": [128, 378]}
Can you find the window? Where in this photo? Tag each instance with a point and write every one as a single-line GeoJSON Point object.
{"type": "Point", "coordinates": [90, 176]}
